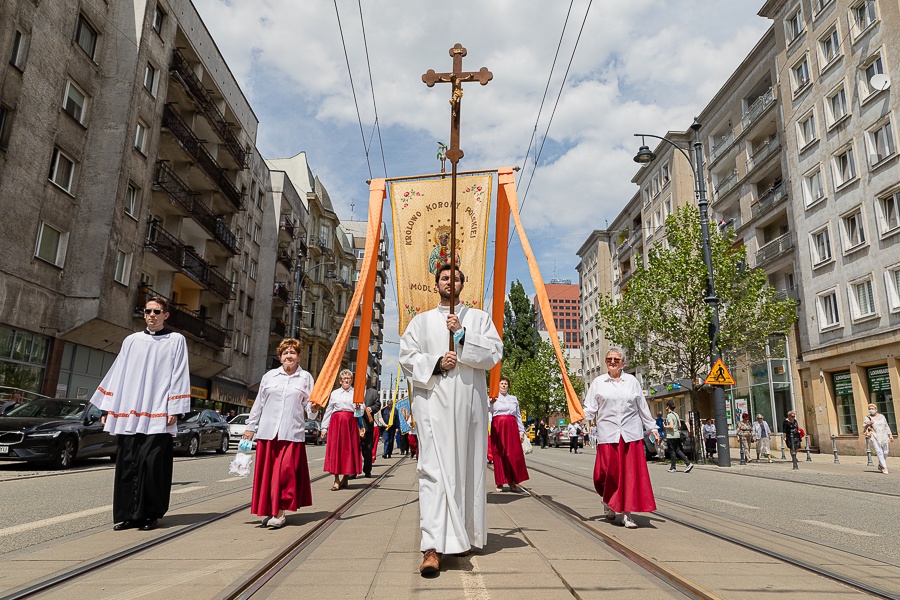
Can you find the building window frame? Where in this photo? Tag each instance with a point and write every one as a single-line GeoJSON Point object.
{"type": "Point", "coordinates": [828, 310]}
{"type": "Point", "coordinates": [881, 142]}
{"type": "Point", "coordinates": [131, 199]}
{"type": "Point", "coordinates": [892, 287]}
{"type": "Point", "coordinates": [807, 130]}
{"type": "Point", "coordinates": [48, 234]}
{"type": "Point", "coordinates": [837, 106]}
{"type": "Point", "coordinates": [800, 75]}
{"type": "Point", "coordinates": [86, 37]}
{"type": "Point", "coordinates": [151, 79]}
{"type": "Point", "coordinates": [19, 54]}
{"type": "Point", "coordinates": [159, 17]}
{"type": "Point", "coordinates": [72, 105]}
{"type": "Point", "coordinates": [122, 271]}
{"type": "Point", "coordinates": [141, 135]}
{"type": "Point", "coordinates": [820, 246]}
{"type": "Point", "coordinates": [829, 48]}
{"type": "Point", "coordinates": [853, 230]}
{"type": "Point", "coordinates": [844, 167]}
{"type": "Point", "coordinates": [862, 16]}
{"type": "Point", "coordinates": [794, 25]}
{"type": "Point", "coordinates": [873, 65]}
{"type": "Point", "coordinates": [62, 170]}
{"type": "Point", "coordinates": [808, 186]}
{"type": "Point", "coordinates": [862, 299]}
{"type": "Point", "coordinates": [887, 210]}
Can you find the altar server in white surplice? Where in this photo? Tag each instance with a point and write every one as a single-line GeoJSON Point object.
{"type": "Point", "coordinates": [450, 411]}
{"type": "Point", "coordinates": [144, 392]}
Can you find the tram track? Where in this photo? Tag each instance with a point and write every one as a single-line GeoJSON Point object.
{"type": "Point", "coordinates": [574, 517]}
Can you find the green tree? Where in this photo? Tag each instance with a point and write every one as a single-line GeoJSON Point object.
{"type": "Point", "coordinates": [537, 382]}
{"type": "Point", "coordinates": [520, 336]}
{"type": "Point", "coordinates": [662, 319]}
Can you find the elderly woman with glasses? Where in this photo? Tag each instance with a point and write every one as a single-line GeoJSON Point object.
{"type": "Point", "coordinates": [792, 436]}
{"type": "Point", "coordinates": [616, 402]}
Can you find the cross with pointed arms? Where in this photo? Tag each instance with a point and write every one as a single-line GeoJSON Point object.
{"type": "Point", "coordinates": [457, 77]}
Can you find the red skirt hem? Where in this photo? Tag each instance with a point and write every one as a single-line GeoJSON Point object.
{"type": "Point", "coordinates": [342, 451]}
{"type": "Point", "coordinates": [509, 459]}
{"type": "Point", "coordinates": [621, 477]}
{"type": "Point", "coordinates": [281, 478]}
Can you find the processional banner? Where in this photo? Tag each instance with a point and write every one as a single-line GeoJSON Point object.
{"type": "Point", "coordinates": [420, 210]}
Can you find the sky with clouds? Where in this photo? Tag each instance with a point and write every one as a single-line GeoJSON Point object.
{"type": "Point", "coordinates": [640, 65]}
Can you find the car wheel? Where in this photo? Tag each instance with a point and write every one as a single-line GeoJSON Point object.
{"type": "Point", "coordinates": [66, 455]}
{"type": "Point", "coordinates": [223, 447]}
{"type": "Point", "coordinates": [193, 446]}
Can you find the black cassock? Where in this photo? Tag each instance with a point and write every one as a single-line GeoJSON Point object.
{"type": "Point", "coordinates": [143, 476]}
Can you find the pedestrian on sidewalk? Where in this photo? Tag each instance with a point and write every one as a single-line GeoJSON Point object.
{"type": "Point", "coordinates": [762, 432]}
{"type": "Point", "coordinates": [878, 431]}
{"type": "Point", "coordinates": [145, 391]}
{"type": "Point", "coordinates": [371, 402]}
{"type": "Point", "coordinates": [745, 434]}
{"type": "Point", "coordinates": [617, 402]}
{"type": "Point", "coordinates": [342, 452]}
{"type": "Point", "coordinates": [449, 389]}
{"type": "Point", "coordinates": [389, 429]}
{"type": "Point", "coordinates": [673, 439]}
{"type": "Point", "coordinates": [278, 420]}
{"type": "Point", "coordinates": [661, 439]}
{"type": "Point", "coordinates": [507, 435]}
{"type": "Point", "coordinates": [709, 437]}
{"type": "Point", "coordinates": [792, 439]}
{"type": "Point", "coordinates": [542, 433]}
{"type": "Point", "coordinates": [574, 431]}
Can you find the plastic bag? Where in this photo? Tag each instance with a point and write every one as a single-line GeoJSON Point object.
{"type": "Point", "coordinates": [241, 466]}
{"type": "Point", "coordinates": [245, 445]}
{"type": "Point", "coordinates": [526, 445]}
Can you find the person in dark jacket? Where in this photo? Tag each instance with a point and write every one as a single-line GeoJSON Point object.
{"type": "Point", "coordinates": [792, 439]}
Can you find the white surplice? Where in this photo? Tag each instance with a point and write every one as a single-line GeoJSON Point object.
{"type": "Point", "coordinates": [450, 412]}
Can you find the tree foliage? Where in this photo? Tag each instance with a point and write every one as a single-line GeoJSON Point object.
{"type": "Point", "coordinates": [520, 336]}
{"type": "Point", "coordinates": [537, 382]}
{"type": "Point", "coordinates": [662, 319]}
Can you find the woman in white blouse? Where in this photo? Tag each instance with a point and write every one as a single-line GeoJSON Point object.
{"type": "Point", "coordinates": [617, 402]}
{"type": "Point", "coordinates": [278, 418]}
{"type": "Point", "coordinates": [343, 456]}
{"type": "Point", "coordinates": [507, 434]}
{"type": "Point", "coordinates": [879, 433]}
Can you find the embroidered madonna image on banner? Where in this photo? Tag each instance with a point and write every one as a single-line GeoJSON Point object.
{"type": "Point", "coordinates": [420, 211]}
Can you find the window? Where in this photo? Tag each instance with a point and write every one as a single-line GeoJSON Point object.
{"type": "Point", "coordinates": [843, 397]}
{"type": "Point", "coordinates": [62, 170]}
{"type": "Point", "coordinates": [245, 260]}
{"type": "Point", "coordinates": [836, 106]}
{"type": "Point", "coordinates": [889, 213]}
{"type": "Point", "coordinates": [86, 36]}
{"type": "Point", "coordinates": [806, 130]}
{"type": "Point", "coordinates": [813, 189]}
{"type": "Point", "coordinates": [140, 137]}
{"type": "Point", "coordinates": [75, 101]}
{"type": "Point", "coordinates": [862, 298]}
{"type": "Point", "coordinates": [4, 118]}
{"type": "Point", "coordinates": [159, 16]}
{"type": "Point", "coordinates": [872, 67]}
{"type": "Point", "coordinates": [123, 267]}
{"type": "Point", "coordinates": [132, 195]}
{"type": "Point", "coordinates": [821, 246]}
{"type": "Point", "coordinates": [256, 233]}
{"type": "Point", "coordinates": [150, 79]}
{"type": "Point", "coordinates": [854, 230]}
{"type": "Point", "coordinates": [829, 48]}
{"type": "Point", "coordinates": [862, 15]}
{"type": "Point", "coordinates": [880, 142]}
{"type": "Point", "coordinates": [892, 283]}
{"type": "Point", "coordinates": [51, 245]}
{"type": "Point", "coordinates": [19, 50]}
{"type": "Point", "coordinates": [844, 167]}
{"type": "Point", "coordinates": [250, 304]}
{"type": "Point", "coordinates": [646, 195]}
{"type": "Point", "coordinates": [794, 25]}
{"type": "Point", "coordinates": [259, 199]}
{"type": "Point", "coordinates": [828, 310]}
{"type": "Point", "coordinates": [800, 73]}
{"type": "Point", "coordinates": [654, 184]}
{"type": "Point", "coordinates": [667, 207]}
{"type": "Point", "coordinates": [253, 268]}
{"type": "Point", "coordinates": [245, 343]}
{"type": "Point", "coordinates": [665, 174]}
{"type": "Point", "coordinates": [657, 219]}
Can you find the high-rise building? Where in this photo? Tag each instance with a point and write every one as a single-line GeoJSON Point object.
{"type": "Point", "coordinates": [565, 301]}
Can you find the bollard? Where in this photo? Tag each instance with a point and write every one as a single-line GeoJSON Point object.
{"type": "Point", "coordinates": [808, 455]}
{"type": "Point", "coordinates": [782, 447]}
{"type": "Point", "coordinates": [869, 462]}
{"type": "Point", "coordinates": [834, 449]}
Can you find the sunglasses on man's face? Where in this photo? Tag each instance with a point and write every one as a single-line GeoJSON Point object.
{"type": "Point", "coordinates": [613, 361]}
{"type": "Point", "coordinates": [152, 311]}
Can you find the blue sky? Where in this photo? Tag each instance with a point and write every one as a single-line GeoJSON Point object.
{"type": "Point", "coordinates": [640, 65]}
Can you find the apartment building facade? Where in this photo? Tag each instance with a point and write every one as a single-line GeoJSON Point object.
{"type": "Point", "coordinates": [594, 280]}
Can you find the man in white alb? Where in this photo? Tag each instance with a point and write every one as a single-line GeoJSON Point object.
{"type": "Point", "coordinates": [144, 392]}
{"type": "Point", "coordinates": [449, 402]}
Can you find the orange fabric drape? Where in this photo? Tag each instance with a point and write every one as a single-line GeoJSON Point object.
{"type": "Point", "coordinates": [508, 192]}
{"type": "Point", "coordinates": [501, 252]}
{"type": "Point", "coordinates": [328, 374]}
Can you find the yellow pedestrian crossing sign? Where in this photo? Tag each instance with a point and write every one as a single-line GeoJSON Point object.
{"type": "Point", "coordinates": [719, 375]}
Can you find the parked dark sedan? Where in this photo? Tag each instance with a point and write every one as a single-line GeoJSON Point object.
{"type": "Point", "coordinates": [54, 431]}
{"type": "Point", "coordinates": [202, 430]}
{"type": "Point", "coordinates": [313, 429]}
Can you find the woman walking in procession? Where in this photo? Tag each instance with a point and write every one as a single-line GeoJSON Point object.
{"type": "Point", "coordinates": [792, 436]}
{"type": "Point", "coordinates": [342, 454]}
{"type": "Point", "coordinates": [617, 403]}
{"type": "Point", "coordinates": [507, 434]}
{"type": "Point", "coordinates": [879, 434]}
{"type": "Point", "coordinates": [278, 418]}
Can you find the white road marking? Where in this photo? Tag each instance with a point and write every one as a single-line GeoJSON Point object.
{"type": "Point", "coordinates": [737, 504]}
{"type": "Point", "coordinates": [54, 520]}
{"type": "Point", "coordinates": [839, 528]}
{"type": "Point", "coordinates": [231, 479]}
{"type": "Point", "coordinates": [671, 489]}
{"type": "Point", "coordinates": [189, 489]}
{"type": "Point", "coordinates": [473, 582]}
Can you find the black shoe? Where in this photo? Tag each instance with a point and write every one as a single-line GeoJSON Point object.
{"type": "Point", "coordinates": [126, 525]}
{"type": "Point", "coordinates": [351, 476]}
{"type": "Point", "coordinates": [384, 456]}
{"type": "Point", "coordinates": [148, 525]}
{"type": "Point", "coordinates": [367, 475]}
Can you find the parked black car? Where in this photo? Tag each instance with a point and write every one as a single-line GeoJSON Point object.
{"type": "Point", "coordinates": [313, 429]}
{"type": "Point", "coordinates": [202, 430]}
{"type": "Point", "coordinates": [54, 431]}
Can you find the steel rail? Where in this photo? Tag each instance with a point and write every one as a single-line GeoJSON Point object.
{"type": "Point", "coordinates": [856, 584]}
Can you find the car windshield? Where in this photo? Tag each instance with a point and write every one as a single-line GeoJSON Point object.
{"type": "Point", "coordinates": [192, 417]}
{"type": "Point", "coordinates": [312, 424]}
{"type": "Point", "coordinates": [239, 420]}
{"type": "Point", "coordinates": [49, 408]}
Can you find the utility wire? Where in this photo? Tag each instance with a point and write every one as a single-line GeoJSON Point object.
{"type": "Point", "coordinates": [352, 88]}
{"type": "Point", "coordinates": [372, 86]}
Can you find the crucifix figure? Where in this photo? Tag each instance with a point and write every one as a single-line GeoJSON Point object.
{"type": "Point", "coordinates": [456, 78]}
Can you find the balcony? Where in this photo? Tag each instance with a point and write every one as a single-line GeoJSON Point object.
{"type": "Point", "coordinates": [187, 261]}
{"type": "Point", "coordinates": [768, 199]}
{"type": "Point", "coordinates": [792, 292]}
{"type": "Point", "coordinates": [726, 184]}
{"type": "Point", "coordinates": [278, 328]}
{"type": "Point", "coordinates": [187, 321]}
{"type": "Point", "coordinates": [764, 151]}
{"type": "Point", "coordinates": [167, 181]}
{"type": "Point", "coordinates": [195, 148]}
{"type": "Point", "coordinates": [302, 248]}
{"type": "Point", "coordinates": [182, 68]}
{"type": "Point", "coordinates": [281, 292]}
{"type": "Point", "coordinates": [285, 259]}
{"type": "Point", "coordinates": [758, 107]}
{"type": "Point", "coordinates": [720, 148]}
{"type": "Point", "coordinates": [777, 247]}
{"type": "Point", "coordinates": [288, 226]}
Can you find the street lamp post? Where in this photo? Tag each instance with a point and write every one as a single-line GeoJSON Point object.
{"type": "Point", "coordinates": [645, 156]}
{"type": "Point", "coordinates": [299, 276]}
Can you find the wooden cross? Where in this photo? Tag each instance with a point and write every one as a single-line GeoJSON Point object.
{"type": "Point", "coordinates": [456, 78]}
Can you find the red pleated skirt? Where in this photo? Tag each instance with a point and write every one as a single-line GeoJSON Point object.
{"type": "Point", "coordinates": [281, 478]}
{"type": "Point", "coordinates": [413, 445]}
{"type": "Point", "coordinates": [621, 477]}
{"type": "Point", "coordinates": [342, 453]}
{"type": "Point", "coordinates": [509, 460]}
{"type": "Point", "coordinates": [376, 435]}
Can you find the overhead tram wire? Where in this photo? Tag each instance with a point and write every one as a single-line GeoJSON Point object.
{"type": "Point", "coordinates": [372, 87]}
{"type": "Point", "coordinates": [352, 88]}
